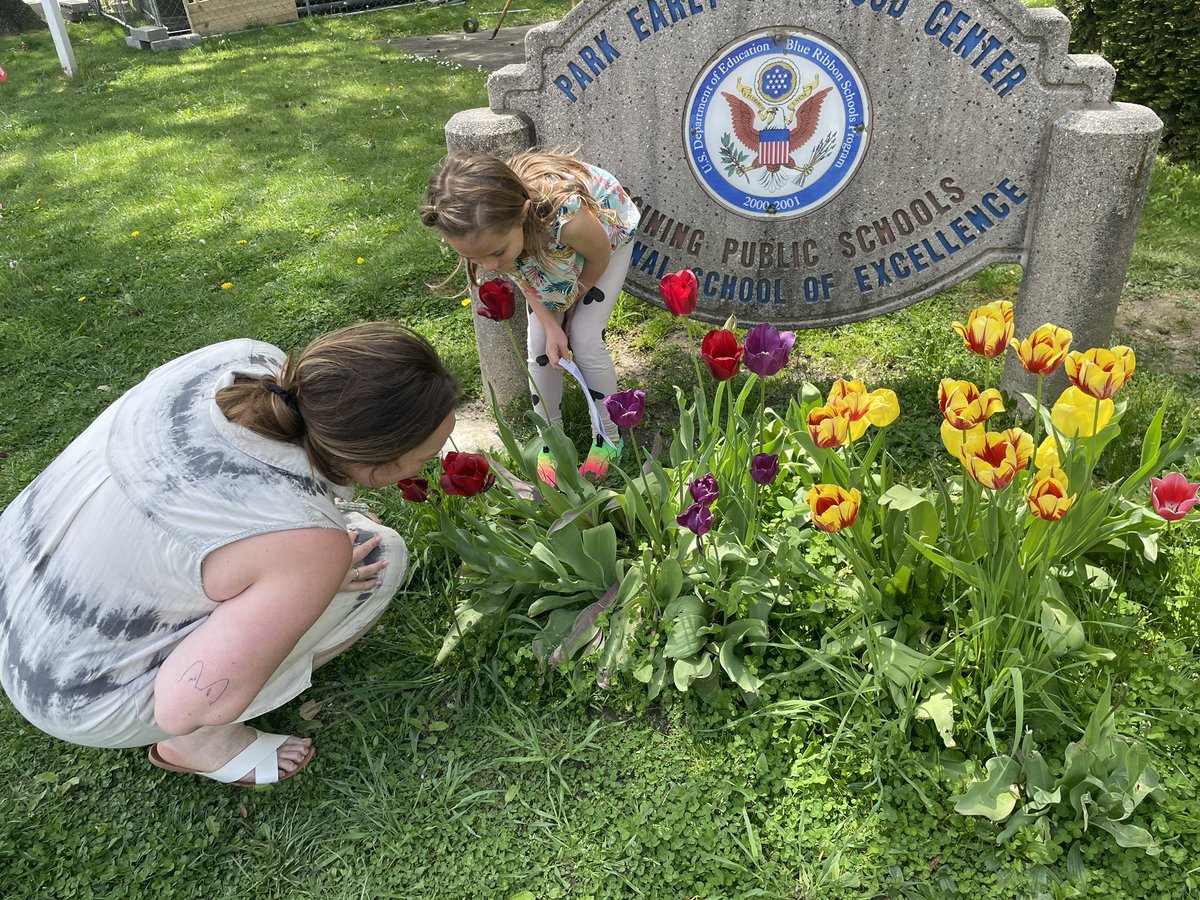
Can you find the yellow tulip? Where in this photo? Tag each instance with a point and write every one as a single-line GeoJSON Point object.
{"type": "Point", "coordinates": [828, 427]}
{"type": "Point", "coordinates": [1048, 497]}
{"type": "Point", "coordinates": [994, 458]}
{"type": "Point", "coordinates": [1100, 373]}
{"type": "Point", "coordinates": [1074, 414]}
{"type": "Point", "coordinates": [1044, 350]}
{"type": "Point", "coordinates": [832, 506]}
{"type": "Point", "coordinates": [1047, 454]}
{"type": "Point", "coordinates": [954, 438]}
{"type": "Point", "coordinates": [964, 406]}
{"type": "Point", "coordinates": [884, 408]}
{"type": "Point", "coordinates": [988, 330]}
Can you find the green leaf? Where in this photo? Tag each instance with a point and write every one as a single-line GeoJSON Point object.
{"type": "Point", "coordinates": [1061, 628]}
{"type": "Point", "coordinates": [1127, 835]}
{"type": "Point", "coordinates": [902, 665]}
{"type": "Point", "coordinates": [688, 670]}
{"type": "Point", "coordinates": [996, 796]}
{"type": "Point", "coordinates": [689, 631]}
{"type": "Point", "coordinates": [668, 580]}
{"type": "Point", "coordinates": [940, 709]}
{"type": "Point", "coordinates": [735, 667]}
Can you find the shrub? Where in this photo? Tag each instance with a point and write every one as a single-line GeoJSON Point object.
{"type": "Point", "coordinates": [1155, 47]}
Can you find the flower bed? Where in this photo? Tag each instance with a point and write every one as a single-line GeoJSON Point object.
{"type": "Point", "coordinates": [969, 613]}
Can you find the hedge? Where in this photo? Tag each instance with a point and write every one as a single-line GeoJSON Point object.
{"type": "Point", "coordinates": [1155, 47]}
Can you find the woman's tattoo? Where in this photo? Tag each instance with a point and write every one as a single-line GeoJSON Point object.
{"type": "Point", "coordinates": [194, 675]}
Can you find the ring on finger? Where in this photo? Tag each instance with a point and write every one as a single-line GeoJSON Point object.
{"type": "Point", "coordinates": [357, 573]}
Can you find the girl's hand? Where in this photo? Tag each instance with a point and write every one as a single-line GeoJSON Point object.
{"type": "Point", "coordinates": [362, 577]}
{"type": "Point", "coordinates": [557, 347]}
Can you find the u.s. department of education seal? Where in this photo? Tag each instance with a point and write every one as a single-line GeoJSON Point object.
{"type": "Point", "coordinates": [777, 123]}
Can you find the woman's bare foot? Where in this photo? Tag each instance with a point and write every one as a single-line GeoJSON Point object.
{"type": "Point", "coordinates": [210, 747]}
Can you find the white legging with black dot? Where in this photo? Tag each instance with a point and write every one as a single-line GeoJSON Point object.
{"type": "Point", "coordinates": [586, 335]}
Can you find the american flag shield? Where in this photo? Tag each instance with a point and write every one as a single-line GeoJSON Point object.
{"type": "Point", "coordinates": [773, 146]}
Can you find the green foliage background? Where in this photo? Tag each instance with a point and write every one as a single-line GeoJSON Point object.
{"type": "Point", "coordinates": [1155, 47]}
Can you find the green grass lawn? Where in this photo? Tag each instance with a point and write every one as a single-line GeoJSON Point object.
{"type": "Point", "coordinates": [161, 202]}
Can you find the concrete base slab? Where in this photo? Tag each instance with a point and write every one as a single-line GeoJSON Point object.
{"type": "Point", "coordinates": [474, 430]}
{"type": "Point", "coordinates": [474, 51]}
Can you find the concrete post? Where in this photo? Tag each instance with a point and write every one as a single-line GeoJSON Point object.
{"type": "Point", "coordinates": [1093, 183]}
{"type": "Point", "coordinates": [502, 134]}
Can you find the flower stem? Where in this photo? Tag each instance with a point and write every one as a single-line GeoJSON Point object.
{"type": "Point", "coordinates": [692, 353]}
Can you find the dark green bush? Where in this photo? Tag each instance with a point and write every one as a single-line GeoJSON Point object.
{"type": "Point", "coordinates": [1155, 47]}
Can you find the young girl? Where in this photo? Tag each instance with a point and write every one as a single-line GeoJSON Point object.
{"type": "Point", "coordinates": [563, 231]}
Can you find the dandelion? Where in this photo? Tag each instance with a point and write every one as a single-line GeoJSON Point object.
{"type": "Point", "coordinates": [83, 298]}
{"type": "Point", "coordinates": [360, 260]}
{"type": "Point", "coordinates": [134, 233]}
{"type": "Point", "coordinates": [226, 285]}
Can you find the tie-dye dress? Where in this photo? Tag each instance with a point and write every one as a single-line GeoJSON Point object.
{"type": "Point", "coordinates": [100, 556]}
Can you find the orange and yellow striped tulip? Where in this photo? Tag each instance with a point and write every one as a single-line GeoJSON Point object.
{"type": "Point", "coordinates": [1044, 350]}
{"type": "Point", "coordinates": [832, 506]}
{"type": "Point", "coordinates": [1100, 373]}
{"type": "Point", "coordinates": [862, 408]}
{"type": "Point", "coordinates": [1074, 413]}
{"type": "Point", "coordinates": [1048, 497]}
{"type": "Point", "coordinates": [988, 330]}
{"type": "Point", "coordinates": [964, 406]}
{"type": "Point", "coordinates": [994, 458]}
{"type": "Point", "coordinates": [829, 426]}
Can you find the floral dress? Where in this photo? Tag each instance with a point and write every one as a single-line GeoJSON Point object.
{"type": "Point", "coordinates": [554, 282]}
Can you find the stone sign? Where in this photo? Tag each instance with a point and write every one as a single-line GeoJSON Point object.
{"type": "Point", "coordinates": [817, 162]}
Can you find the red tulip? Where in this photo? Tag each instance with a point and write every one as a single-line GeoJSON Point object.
{"type": "Point", "coordinates": [498, 300]}
{"type": "Point", "coordinates": [414, 490]}
{"type": "Point", "coordinates": [721, 353]}
{"type": "Point", "coordinates": [678, 290]}
{"type": "Point", "coordinates": [1173, 496]}
{"type": "Point", "coordinates": [465, 474]}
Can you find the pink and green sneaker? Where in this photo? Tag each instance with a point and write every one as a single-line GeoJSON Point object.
{"type": "Point", "coordinates": [601, 455]}
{"type": "Point", "coordinates": [546, 466]}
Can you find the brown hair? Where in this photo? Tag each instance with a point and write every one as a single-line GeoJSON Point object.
{"type": "Point", "coordinates": [469, 193]}
{"type": "Point", "coordinates": [361, 395]}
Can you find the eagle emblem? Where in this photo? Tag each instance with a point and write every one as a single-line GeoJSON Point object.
{"type": "Point", "coordinates": [798, 119]}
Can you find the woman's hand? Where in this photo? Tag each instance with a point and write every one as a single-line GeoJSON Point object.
{"type": "Point", "coordinates": [362, 577]}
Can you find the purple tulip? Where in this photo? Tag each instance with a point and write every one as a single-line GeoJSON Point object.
{"type": "Point", "coordinates": [626, 408]}
{"type": "Point", "coordinates": [767, 350]}
{"type": "Point", "coordinates": [697, 519]}
{"type": "Point", "coordinates": [705, 490]}
{"type": "Point", "coordinates": [764, 467]}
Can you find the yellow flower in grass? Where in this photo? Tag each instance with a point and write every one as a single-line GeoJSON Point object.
{"type": "Point", "coordinates": [1074, 414]}
{"type": "Point", "coordinates": [1047, 454]}
{"type": "Point", "coordinates": [832, 506]}
{"type": "Point", "coordinates": [134, 233]}
{"type": "Point", "coordinates": [988, 330]}
{"type": "Point", "coordinates": [964, 407]}
{"type": "Point", "coordinates": [1048, 498]}
{"type": "Point", "coordinates": [954, 438]}
{"type": "Point", "coordinates": [1100, 373]}
{"type": "Point", "coordinates": [360, 261]}
{"type": "Point", "coordinates": [1044, 350]}
{"type": "Point", "coordinates": [226, 285]}
{"type": "Point", "coordinates": [829, 426]}
{"type": "Point", "coordinates": [994, 458]}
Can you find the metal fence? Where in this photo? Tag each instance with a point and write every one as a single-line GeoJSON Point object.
{"type": "Point", "coordinates": [170, 14]}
